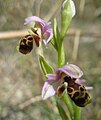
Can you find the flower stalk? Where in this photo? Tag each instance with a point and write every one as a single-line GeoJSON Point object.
{"type": "Point", "coordinates": [65, 81]}
{"type": "Point", "coordinates": [61, 56]}
{"type": "Point", "coordinates": [68, 104]}
{"type": "Point", "coordinates": [77, 112]}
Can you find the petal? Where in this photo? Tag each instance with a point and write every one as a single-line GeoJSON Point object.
{"type": "Point", "coordinates": [72, 7]}
{"type": "Point", "coordinates": [49, 88]}
{"type": "Point", "coordinates": [46, 27]}
{"type": "Point", "coordinates": [71, 70]}
{"type": "Point", "coordinates": [79, 81]}
{"type": "Point", "coordinates": [47, 33]}
{"type": "Point", "coordinates": [61, 89]}
{"type": "Point", "coordinates": [37, 40]}
{"type": "Point", "coordinates": [51, 76]}
{"type": "Point", "coordinates": [34, 19]}
{"type": "Point", "coordinates": [47, 36]}
{"type": "Point", "coordinates": [89, 88]}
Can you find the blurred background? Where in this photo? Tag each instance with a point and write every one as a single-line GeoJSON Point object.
{"type": "Point", "coordinates": [21, 79]}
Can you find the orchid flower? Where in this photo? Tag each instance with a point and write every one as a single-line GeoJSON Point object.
{"type": "Point", "coordinates": [67, 79]}
{"type": "Point", "coordinates": [41, 31]}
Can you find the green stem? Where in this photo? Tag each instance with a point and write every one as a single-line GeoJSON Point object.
{"type": "Point", "coordinates": [61, 55]}
{"type": "Point", "coordinates": [77, 112]}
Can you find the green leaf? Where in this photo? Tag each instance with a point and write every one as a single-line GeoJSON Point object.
{"type": "Point", "coordinates": [56, 36]}
{"type": "Point", "coordinates": [62, 112]}
{"type": "Point", "coordinates": [46, 68]}
{"type": "Point", "coordinates": [66, 17]}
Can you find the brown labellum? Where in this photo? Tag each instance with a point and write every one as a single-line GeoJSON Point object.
{"type": "Point", "coordinates": [26, 44]}
{"type": "Point", "coordinates": [77, 92]}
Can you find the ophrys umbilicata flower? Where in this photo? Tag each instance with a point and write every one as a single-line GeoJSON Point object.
{"type": "Point", "coordinates": [67, 79]}
{"type": "Point", "coordinates": [40, 31]}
